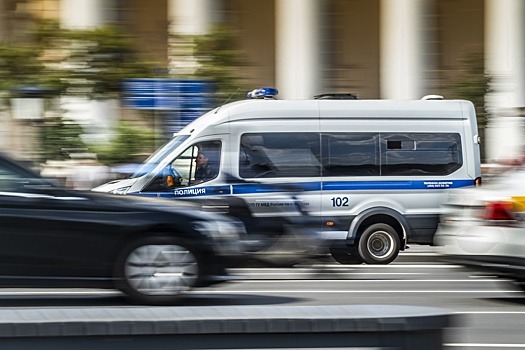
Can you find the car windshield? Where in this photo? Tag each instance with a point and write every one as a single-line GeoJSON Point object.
{"type": "Point", "coordinates": [159, 155]}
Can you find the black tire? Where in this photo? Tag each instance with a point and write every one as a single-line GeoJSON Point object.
{"type": "Point", "coordinates": [346, 256]}
{"type": "Point", "coordinates": [156, 270]}
{"type": "Point", "coordinates": [379, 244]}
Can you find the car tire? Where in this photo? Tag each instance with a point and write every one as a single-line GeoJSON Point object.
{"type": "Point", "coordinates": [379, 244]}
{"type": "Point", "coordinates": [346, 256]}
{"type": "Point", "coordinates": [157, 270]}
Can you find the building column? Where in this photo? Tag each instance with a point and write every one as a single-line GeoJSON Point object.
{"type": "Point", "coordinates": [505, 64]}
{"type": "Point", "coordinates": [403, 49]}
{"type": "Point", "coordinates": [187, 19]}
{"type": "Point", "coordinates": [82, 14]}
{"type": "Point", "coordinates": [298, 52]}
{"type": "Point", "coordinates": [505, 52]}
{"type": "Point", "coordinates": [97, 117]}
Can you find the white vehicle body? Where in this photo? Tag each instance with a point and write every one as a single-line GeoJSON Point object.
{"type": "Point", "coordinates": [357, 163]}
{"type": "Point", "coordinates": [484, 228]}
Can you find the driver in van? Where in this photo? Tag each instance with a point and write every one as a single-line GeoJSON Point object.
{"type": "Point", "coordinates": [204, 171]}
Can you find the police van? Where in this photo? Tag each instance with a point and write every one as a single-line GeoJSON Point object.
{"type": "Point", "coordinates": [372, 173]}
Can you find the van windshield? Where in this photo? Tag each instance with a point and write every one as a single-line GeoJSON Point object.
{"type": "Point", "coordinates": [159, 155]}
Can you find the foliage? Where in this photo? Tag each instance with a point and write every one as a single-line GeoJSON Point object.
{"type": "Point", "coordinates": [19, 66]}
{"type": "Point", "coordinates": [220, 62]}
{"type": "Point", "coordinates": [471, 84]}
{"type": "Point", "coordinates": [102, 59]}
{"type": "Point", "coordinates": [90, 63]}
{"type": "Point", "coordinates": [129, 145]}
{"type": "Point", "coordinates": [59, 137]}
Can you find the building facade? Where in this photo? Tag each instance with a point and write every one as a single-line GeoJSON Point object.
{"type": "Point", "coordinates": [392, 49]}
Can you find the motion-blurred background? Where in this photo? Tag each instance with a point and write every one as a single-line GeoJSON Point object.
{"type": "Point", "coordinates": [90, 87]}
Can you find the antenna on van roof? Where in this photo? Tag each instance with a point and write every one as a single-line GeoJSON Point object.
{"type": "Point", "coordinates": [227, 100]}
{"type": "Point", "coordinates": [330, 96]}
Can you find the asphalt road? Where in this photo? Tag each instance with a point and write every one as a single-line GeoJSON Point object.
{"type": "Point", "coordinates": [492, 311]}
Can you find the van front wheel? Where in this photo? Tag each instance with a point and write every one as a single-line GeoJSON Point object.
{"type": "Point", "coordinates": [379, 244]}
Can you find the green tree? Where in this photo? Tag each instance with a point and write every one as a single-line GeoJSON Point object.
{"type": "Point", "coordinates": [471, 83]}
{"type": "Point", "coordinates": [220, 61]}
{"type": "Point", "coordinates": [59, 137]}
{"type": "Point", "coordinates": [19, 66]}
{"type": "Point", "coordinates": [90, 63]}
{"type": "Point", "coordinates": [130, 145]}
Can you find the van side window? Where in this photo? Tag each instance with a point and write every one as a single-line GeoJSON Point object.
{"type": "Point", "coordinates": [197, 164]}
{"type": "Point", "coordinates": [267, 155]}
{"type": "Point", "coordinates": [350, 154]}
{"type": "Point", "coordinates": [411, 154]}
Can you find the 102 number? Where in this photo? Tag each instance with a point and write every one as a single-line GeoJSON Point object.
{"type": "Point", "coordinates": [339, 201]}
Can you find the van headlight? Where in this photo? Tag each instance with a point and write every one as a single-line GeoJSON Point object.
{"type": "Point", "coordinates": [121, 190]}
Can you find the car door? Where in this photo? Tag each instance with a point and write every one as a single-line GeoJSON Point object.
{"type": "Point", "coordinates": [47, 231]}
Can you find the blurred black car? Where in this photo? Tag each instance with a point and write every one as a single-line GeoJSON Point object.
{"type": "Point", "coordinates": [152, 250]}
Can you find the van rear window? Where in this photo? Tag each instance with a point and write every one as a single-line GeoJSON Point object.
{"type": "Point", "coordinates": [420, 154]}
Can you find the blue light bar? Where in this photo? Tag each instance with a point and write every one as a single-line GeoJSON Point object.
{"type": "Point", "coordinates": [265, 92]}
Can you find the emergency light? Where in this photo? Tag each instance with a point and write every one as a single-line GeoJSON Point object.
{"type": "Point", "coordinates": [265, 92]}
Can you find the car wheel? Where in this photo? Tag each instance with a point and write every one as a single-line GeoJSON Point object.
{"type": "Point", "coordinates": [156, 270]}
{"type": "Point", "coordinates": [346, 256]}
{"type": "Point", "coordinates": [379, 244]}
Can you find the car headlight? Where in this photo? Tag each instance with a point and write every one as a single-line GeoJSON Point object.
{"type": "Point", "coordinates": [121, 190]}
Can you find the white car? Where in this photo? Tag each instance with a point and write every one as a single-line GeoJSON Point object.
{"type": "Point", "coordinates": [484, 227]}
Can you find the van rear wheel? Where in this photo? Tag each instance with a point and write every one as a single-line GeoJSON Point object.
{"type": "Point", "coordinates": [379, 244]}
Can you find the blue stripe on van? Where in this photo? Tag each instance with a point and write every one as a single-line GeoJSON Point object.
{"type": "Point", "coordinates": [315, 186]}
{"type": "Point", "coordinates": [395, 185]}
{"type": "Point", "coordinates": [265, 188]}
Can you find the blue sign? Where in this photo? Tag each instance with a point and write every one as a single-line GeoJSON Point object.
{"type": "Point", "coordinates": [178, 101]}
{"type": "Point", "coordinates": [166, 94]}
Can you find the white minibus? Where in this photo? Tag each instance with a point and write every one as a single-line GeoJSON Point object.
{"type": "Point", "coordinates": [372, 173]}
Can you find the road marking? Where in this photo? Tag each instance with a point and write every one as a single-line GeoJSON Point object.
{"type": "Point", "coordinates": [347, 267]}
{"type": "Point", "coordinates": [485, 345]}
{"type": "Point", "coordinates": [351, 291]}
{"type": "Point", "coordinates": [292, 280]}
{"type": "Point", "coordinates": [290, 273]}
{"type": "Point", "coordinates": [491, 312]}
{"type": "Point", "coordinates": [52, 292]}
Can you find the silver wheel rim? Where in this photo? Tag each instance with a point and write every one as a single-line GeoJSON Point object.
{"type": "Point", "coordinates": [380, 244]}
{"type": "Point", "coordinates": [161, 269]}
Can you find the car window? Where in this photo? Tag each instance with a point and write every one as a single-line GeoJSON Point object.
{"type": "Point", "coordinates": [9, 181]}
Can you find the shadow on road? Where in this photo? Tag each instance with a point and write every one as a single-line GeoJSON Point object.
{"type": "Point", "coordinates": [514, 301]}
{"type": "Point", "coordinates": [201, 299]}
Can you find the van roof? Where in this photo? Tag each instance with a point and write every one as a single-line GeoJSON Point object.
{"type": "Point", "coordinates": [356, 109]}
